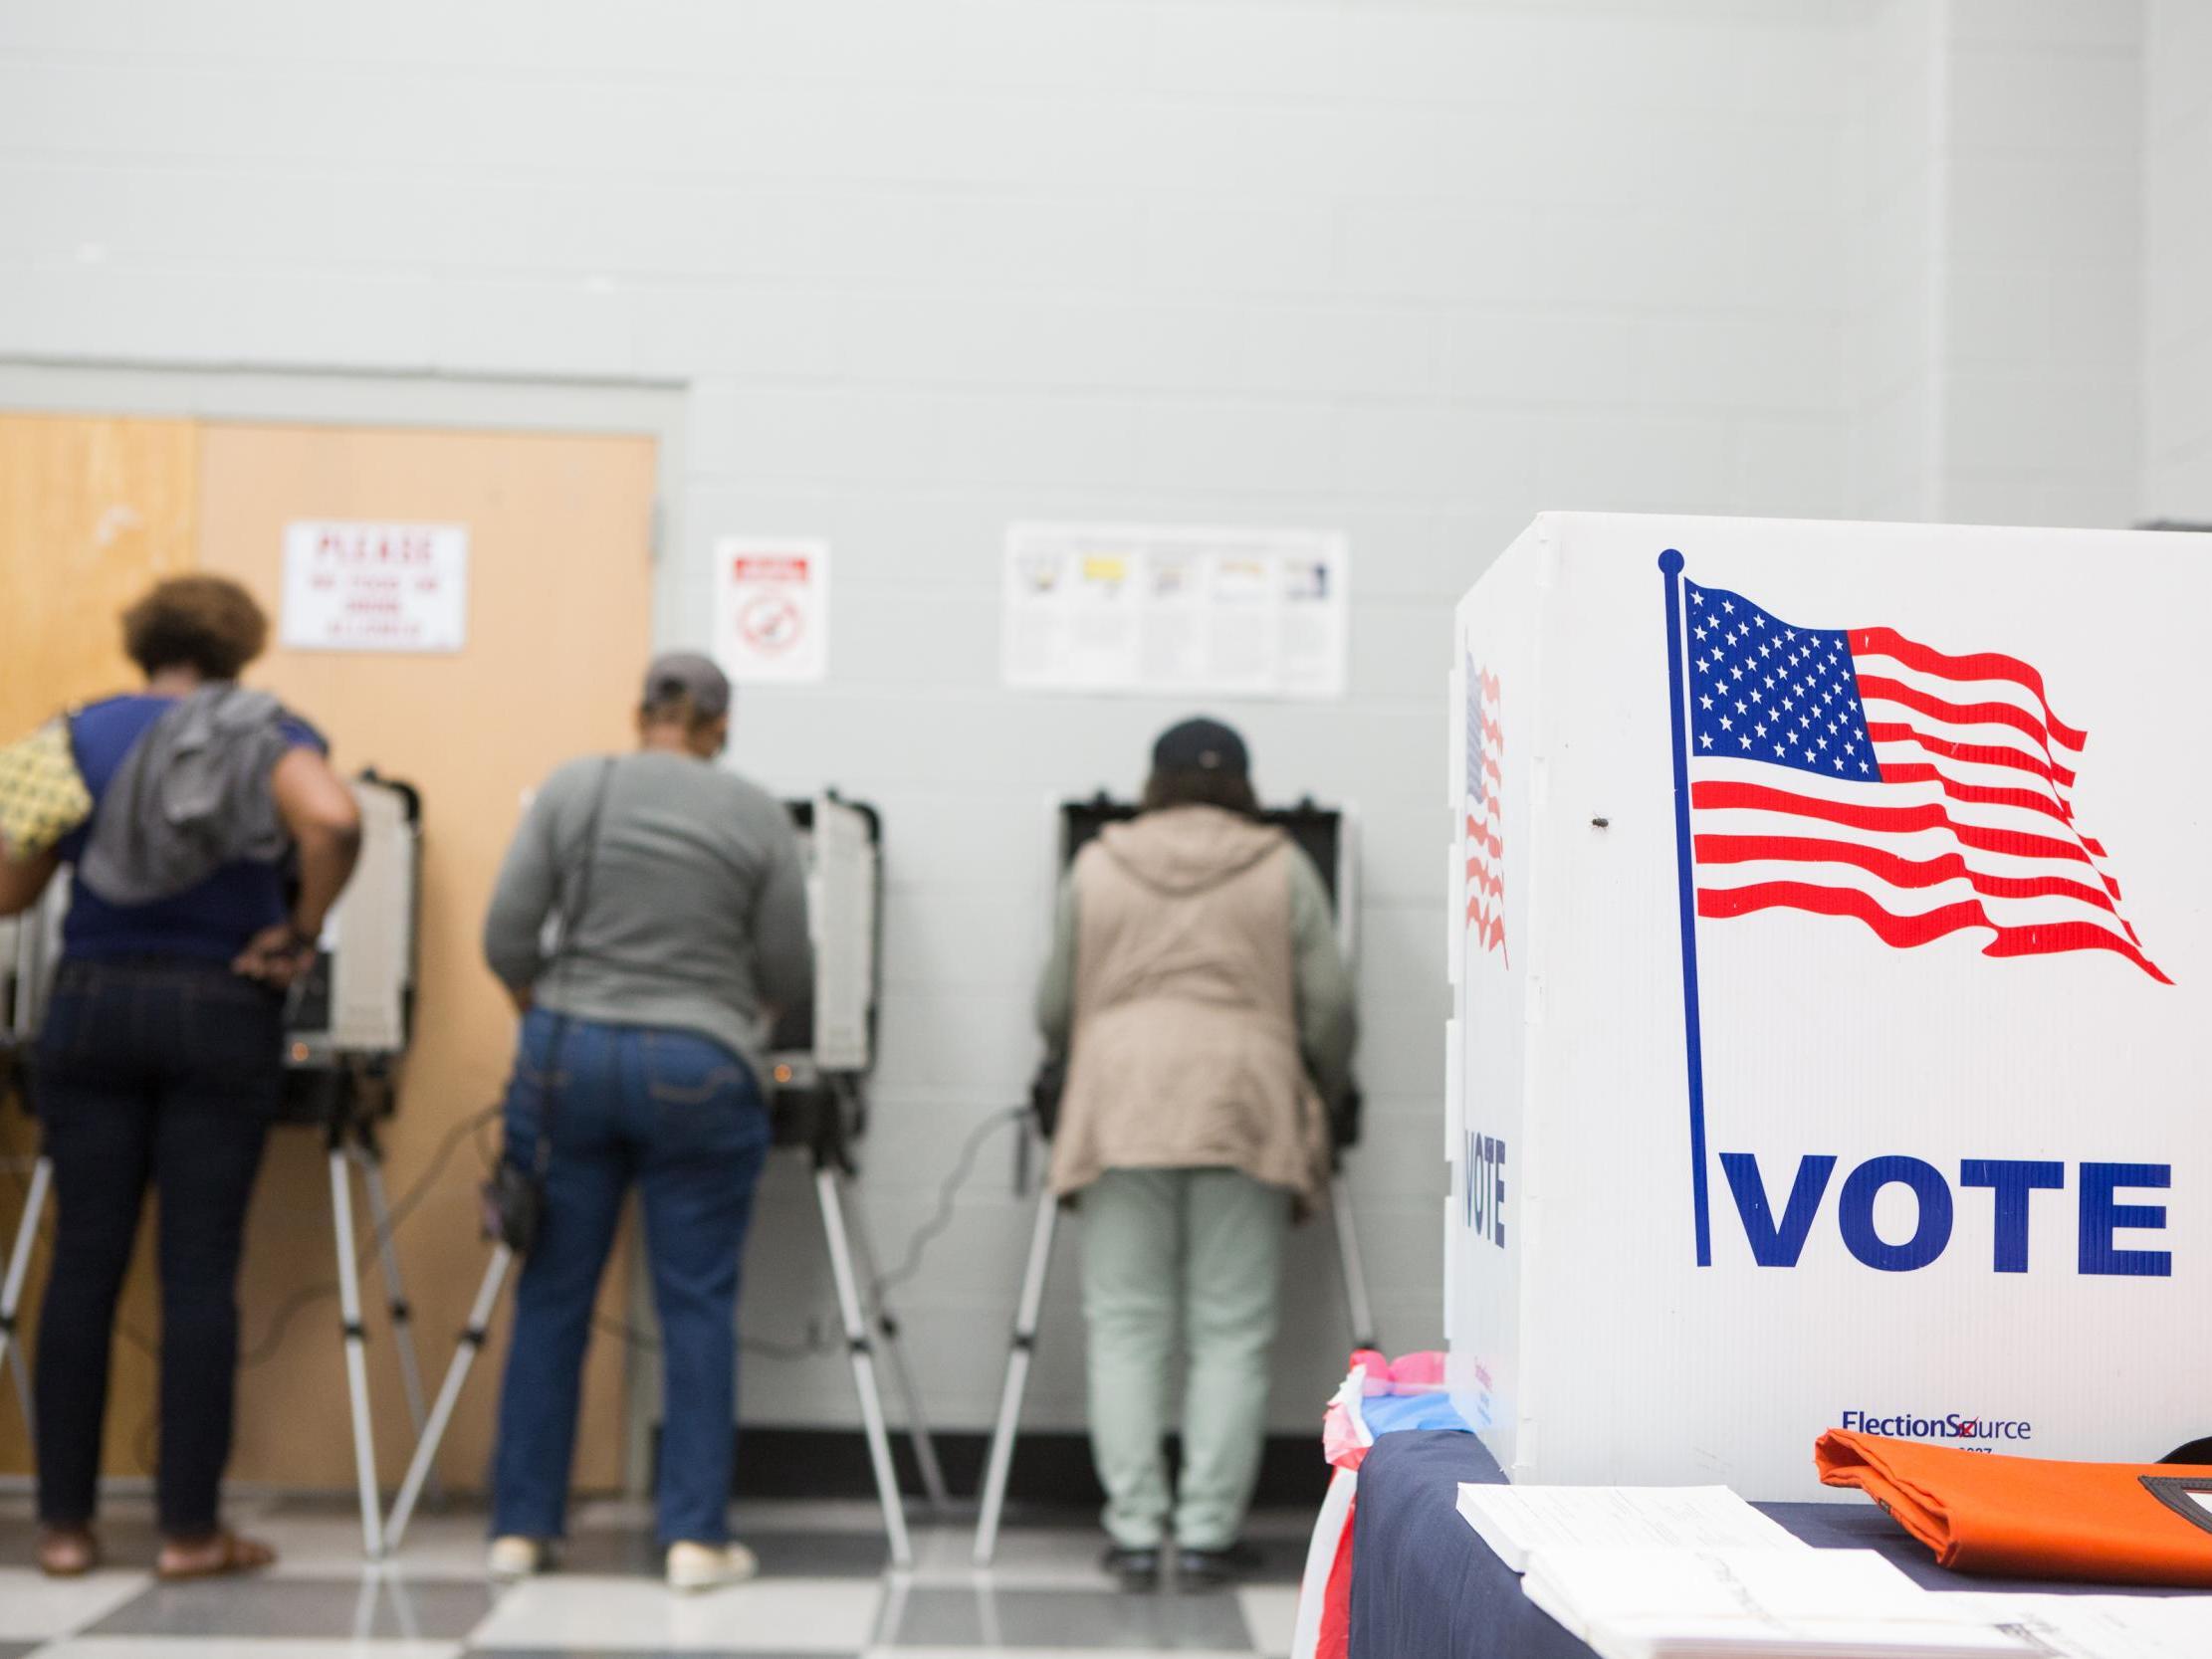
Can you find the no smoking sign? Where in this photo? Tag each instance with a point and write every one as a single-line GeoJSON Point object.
{"type": "Point", "coordinates": [772, 610]}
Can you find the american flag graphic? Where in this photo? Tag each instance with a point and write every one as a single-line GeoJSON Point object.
{"type": "Point", "coordinates": [1854, 773]}
{"type": "Point", "coordinates": [1485, 816]}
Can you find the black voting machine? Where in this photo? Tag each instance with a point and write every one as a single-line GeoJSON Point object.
{"type": "Point", "coordinates": [1327, 836]}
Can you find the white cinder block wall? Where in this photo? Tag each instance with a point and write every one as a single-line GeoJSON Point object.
{"type": "Point", "coordinates": [2177, 212]}
{"type": "Point", "coordinates": [1998, 376]}
{"type": "Point", "coordinates": [924, 267]}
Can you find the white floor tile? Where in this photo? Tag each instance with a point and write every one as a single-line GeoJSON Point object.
{"type": "Point", "coordinates": [330, 1547]}
{"type": "Point", "coordinates": [788, 1616]}
{"type": "Point", "coordinates": [232, 1648]}
{"type": "Point", "coordinates": [1271, 1610]}
{"type": "Point", "coordinates": [34, 1607]}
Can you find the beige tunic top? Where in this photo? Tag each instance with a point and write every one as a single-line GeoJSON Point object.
{"type": "Point", "coordinates": [1185, 1040]}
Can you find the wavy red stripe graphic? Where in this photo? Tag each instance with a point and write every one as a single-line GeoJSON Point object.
{"type": "Point", "coordinates": [1980, 794]}
{"type": "Point", "coordinates": [1485, 832]}
{"type": "Point", "coordinates": [1971, 754]}
{"type": "Point", "coordinates": [1895, 867]}
{"type": "Point", "coordinates": [1878, 687]}
{"type": "Point", "coordinates": [1887, 820]}
{"type": "Point", "coordinates": [1905, 931]}
{"type": "Point", "coordinates": [1979, 665]}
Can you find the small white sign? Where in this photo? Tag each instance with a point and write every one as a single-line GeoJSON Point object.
{"type": "Point", "coordinates": [1162, 608]}
{"type": "Point", "coordinates": [375, 587]}
{"type": "Point", "coordinates": [772, 610]}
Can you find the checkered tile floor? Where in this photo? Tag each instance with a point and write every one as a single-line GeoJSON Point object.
{"type": "Point", "coordinates": [824, 1589]}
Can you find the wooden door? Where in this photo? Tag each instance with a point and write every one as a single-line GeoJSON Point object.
{"type": "Point", "coordinates": [91, 511]}
{"type": "Point", "coordinates": [559, 631]}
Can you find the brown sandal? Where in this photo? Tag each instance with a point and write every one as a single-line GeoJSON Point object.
{"type": "Point", "coordinates": [67, 1552]}
{"type": "Point", "coordinates": [221, 1555]}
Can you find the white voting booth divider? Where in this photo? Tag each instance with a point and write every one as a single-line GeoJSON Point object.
{"type": "Point", "coordinates": [1832, 952]}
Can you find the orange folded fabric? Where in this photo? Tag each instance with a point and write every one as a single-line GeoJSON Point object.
{"type": "Point", "coordinates": [2032, 1518]}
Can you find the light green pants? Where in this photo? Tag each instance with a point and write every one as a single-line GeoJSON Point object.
{"type": "Point", "coordinates": [1194, 1252]}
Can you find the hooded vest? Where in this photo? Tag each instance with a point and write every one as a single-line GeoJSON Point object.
{"type": "Point", "coordinates": [1185, 1049]}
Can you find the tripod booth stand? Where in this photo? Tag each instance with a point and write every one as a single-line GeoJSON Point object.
{"type": "Point", "coordinates": [1327, 837]}
{"type": "Point", "coordinates": [345, 1030]}
{"type": "Point", "coordinates": [817, 1086]}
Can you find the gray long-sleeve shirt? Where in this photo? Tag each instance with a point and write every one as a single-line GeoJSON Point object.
{"type": "Point", "coordinates": [696, 918]}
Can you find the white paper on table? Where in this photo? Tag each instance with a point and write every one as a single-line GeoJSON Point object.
{"type": "Point", "coordinates": [2104, 1626]}
{"type": "Point", "coordinates": [1516, 1520]}
{"type": "Point", "coordinates": [1688, 1604]}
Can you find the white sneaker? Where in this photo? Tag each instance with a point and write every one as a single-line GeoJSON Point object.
{"type": "Point", "coordinates": [513, 1559]}
{"type": "Point", "coordinates": [709, 1566]}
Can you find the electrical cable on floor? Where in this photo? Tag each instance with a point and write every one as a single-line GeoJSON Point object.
{"type": "Point", "coordinates": [941, 1218]}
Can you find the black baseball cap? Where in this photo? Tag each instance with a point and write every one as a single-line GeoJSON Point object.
{"type": "Point", "coordinates": [1201, 745]}
{"type": "Point", "coordinates": [688, 673]}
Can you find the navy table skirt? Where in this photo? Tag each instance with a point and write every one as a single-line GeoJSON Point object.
{"type": "Point", "coordinates": [1423, 1586]}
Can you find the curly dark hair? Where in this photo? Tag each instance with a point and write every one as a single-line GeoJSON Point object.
{"type": "Point", "coordinates": [206, 623]}
{"type": "Point", "coordinates": [1199, 787]}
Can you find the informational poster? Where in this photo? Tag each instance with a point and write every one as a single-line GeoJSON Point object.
{"type": "Point", "coordinates": [350, 586]}
{"type": "Point", "coordinates": [1146, 608]}
{"type": "Point", "coordinates": [772, 610]}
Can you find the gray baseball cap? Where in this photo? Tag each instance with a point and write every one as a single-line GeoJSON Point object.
{"type": "Point", "coordinates": [688, 673]}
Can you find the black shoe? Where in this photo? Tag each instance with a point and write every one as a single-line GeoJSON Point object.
{"type": "Point", "coordinates": [1137, 1569]}
{"type": "Point", "coordinates": [1205, 1569]}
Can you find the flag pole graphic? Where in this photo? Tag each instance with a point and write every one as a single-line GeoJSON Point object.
{"type": "Point", "coordinates": [1671, 568]}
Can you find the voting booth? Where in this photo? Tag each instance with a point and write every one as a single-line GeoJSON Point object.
{"type": "Point", "coordinates": [1830, 943]}
{"type": "Point", "coordinates": [816, 1094]}
{"type": "Point", "coordinates": [1329, 837]}
{"type": "Point", "coordinates": [346, 1025]}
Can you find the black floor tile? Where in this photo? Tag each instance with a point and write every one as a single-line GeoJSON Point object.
{"type": "Point", "coordinates": [1078, 1619]}
{"type": "Point", "coordinates": [301, 1608]}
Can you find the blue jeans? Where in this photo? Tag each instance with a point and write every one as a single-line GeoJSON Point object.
{"type": "Point", "coordinates": [684, 1118]}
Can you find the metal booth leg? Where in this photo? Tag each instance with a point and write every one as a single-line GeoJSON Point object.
{"type": "Point", "coordinates": [371, 1164]}
{"type": "Point", "coordinates": [356, 1357]}
{"type": "Point", "coordinates": [1355, 1269]}
{"type": "Point", "coordinates": [887, 1327]}
{"type": "Point", "coordinates": [1017, 1377]}
{"type": "Point", "coordinates": [449, 1395]}
{"type": "Point", "coordinates": [11, 1288]}
{"type": "Point", "coordinates": [863, 1366]}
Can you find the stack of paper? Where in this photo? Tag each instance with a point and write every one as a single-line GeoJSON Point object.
{"type": "Point", "coordinates": [2102, 1626]}
{"type": "Point", "coordinates": [1756, 1604]}
{"type": "Point", "coordinates": [1516, 1520]}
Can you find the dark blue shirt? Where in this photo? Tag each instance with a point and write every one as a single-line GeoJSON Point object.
{"type": "Point", "coordinates": [211, 922]}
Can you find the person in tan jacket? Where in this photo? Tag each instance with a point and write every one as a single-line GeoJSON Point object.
{"type": "Point", "coordinates": [1198, 991]}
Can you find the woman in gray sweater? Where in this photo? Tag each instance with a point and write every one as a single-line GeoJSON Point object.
{"type": "Point", "coordinates": [682, 905]}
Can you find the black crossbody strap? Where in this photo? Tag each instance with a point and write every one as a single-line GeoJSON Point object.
{"type": "Point", "coordinates": [572, 918]}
